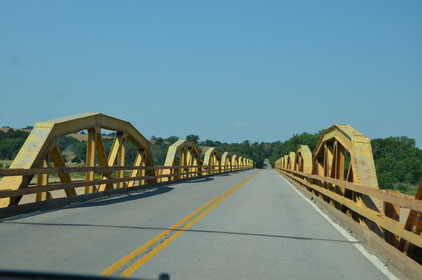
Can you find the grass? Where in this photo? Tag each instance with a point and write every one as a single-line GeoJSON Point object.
{"type": "Point", "coordinates": [406, 189]}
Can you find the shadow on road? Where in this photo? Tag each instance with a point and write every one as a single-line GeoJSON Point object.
{"type": "Point", "coordinates": [228, 174]}
{"type": "Point", "coordinates": [200, 180]}
{"type": "Point", "coordinates": [188, 230]}
{"type": "Point", "coordinates": [121, 198]}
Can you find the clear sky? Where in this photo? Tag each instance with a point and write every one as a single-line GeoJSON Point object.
{"type": "Point", "coordinates": [225, 70]}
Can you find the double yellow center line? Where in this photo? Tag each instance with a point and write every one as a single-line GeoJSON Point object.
{"type": "Point", "coordinates": [187, 222]}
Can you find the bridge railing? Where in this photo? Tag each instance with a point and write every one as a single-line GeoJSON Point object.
{"type": "Point", "coordinates": [98, 180]}
{"type": "Point", "coordinates": [341, 172]}
{"type": "Point", "coordinates": [398, 234]}
{"type": "Point", "coordinates": [127, 162]}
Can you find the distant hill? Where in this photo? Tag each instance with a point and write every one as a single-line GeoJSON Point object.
{"type": "Point", "coordinates": [77, 136]}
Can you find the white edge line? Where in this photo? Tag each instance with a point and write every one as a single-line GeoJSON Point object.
{"type": "Point", "coordinates": [373, 259]}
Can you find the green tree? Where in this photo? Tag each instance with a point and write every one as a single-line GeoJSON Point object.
{"type": "Point", "coordinates": [192, 137]}
{"type": "Point", "coordinates": [10, 143]}
{"type": "Point", "coordinates": [171, 140]}
{"type": "Point", "coordinates": [397, 160]}
{"type": "Point", "coordinates": [283, 148]}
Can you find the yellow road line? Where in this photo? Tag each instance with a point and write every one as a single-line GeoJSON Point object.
{"type": "Point", "coordinates": [129, 271]}
{"type": "Point", "coordinates": [117, 265]}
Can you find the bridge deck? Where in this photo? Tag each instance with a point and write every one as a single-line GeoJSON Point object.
{"type": "Point", "coordinates": [264, 230]}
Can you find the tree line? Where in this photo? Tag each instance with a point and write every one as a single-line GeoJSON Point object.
{"type": "Point", "coordinates": [12, 140]}
{"type": "Point", "coordinates": [398, 161]}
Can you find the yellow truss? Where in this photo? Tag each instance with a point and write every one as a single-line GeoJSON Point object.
{"type": "Point", "coordinates": [41, 147]}
{"type": "Point", "coordinates": [235, 162]}
{"type": "Point", "coordinates": [286, 157]}
{"type": "Point", "coordinates": [334, 145]}
{"type": "Point", "coordinates": [240, 161]}
{"type": "Point", "coordinates": [303, 161]}
{"type": "Point", "coordinates": [291, 158]}
{"type": "Point", "coordinates": [226, 161]}
{"type": "Point", "coordinates": [212, 157]}
{"type": "Point", "coordinates": [182, 153]}
{"type": "Point", "coordinates": [340, 137]}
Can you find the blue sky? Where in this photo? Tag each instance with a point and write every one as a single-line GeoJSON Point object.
{"type": "Point", "coordinates": [225, 70]}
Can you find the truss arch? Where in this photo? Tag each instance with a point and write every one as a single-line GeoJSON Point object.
{"type": "Point", "coordinates": [303, 161]}
{"type": "Point", "coordinates": [338, 146]}
{"type": "Point", "coordinates": [182, 153]}
{"type": "Point", "coordinates": [212, 158]}
{"type": "Point", "coordinates": [291, 158]}
{"type": "Point", "coordinates": [235, 162]}
{"type": "Point", "coordinates": [41, 147]}
{"type": "Point", "coordinates": [241, 162]}
{"type": "Point", "coordinates": [226, 161]}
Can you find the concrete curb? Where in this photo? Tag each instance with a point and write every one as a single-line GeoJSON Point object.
{"type": "Point", "coordinates": [399, 263]}
{"type": "Point", "coordinates": [65, 201]}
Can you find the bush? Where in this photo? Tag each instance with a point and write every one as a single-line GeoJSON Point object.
{"type": "Point", "coordinates": [402, 187]}
{"type": "Point", "coordinates": [397, 160]}
{"type": "Point", "coordinates": [76, 160]}
{"type": "Point", "coordinates": [11, 142]}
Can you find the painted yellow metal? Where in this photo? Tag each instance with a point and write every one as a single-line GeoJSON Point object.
{"type": "Point", "coordinates": [90, 159]}
{"type": "Point", "coordinates": [303, 161]}
{"type": "Point", "coordinates": [235, 162]}
{"type": "Point", "coordinates": [358, 145]}
{"type": "Point", "coordinates": [377, 218]}
{"type": "Point", "coordinates": [42, 180]}
{"type": "Point", "coordinates": [41, 147]}
{"type": "Point", "coordinates": [226, 161]}
{"type": "Point", "coordinates": [212, 157]}
{"type": "Point", "coordinates": [40, 140]}
{"type": "Point", "coordinates": [112, 156]}
{"type": "Point", "coordinates": [335, 144]}
{"type": "Point", "coordinates": [240, 162]}
{"type": "Point", "coordinates": [134, 173]}
{"type": "Point", "coordinates": [291, 160]}
{"type": "Point", "coordinates": [121, 161]}
{"type": "Point", "coordinates": [180, 148]}
{"type": "Point", "coordinates": [358, 195]}
{"type": "Point", "coordinates": [58, 160]}
{"type": "Point", "coordinates": [285, 160]}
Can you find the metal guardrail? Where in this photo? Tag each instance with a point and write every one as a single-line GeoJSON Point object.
{"type": "Point", "coordinates": [399, 235]}
{"type": "Point", "coordinates": [173, 174]}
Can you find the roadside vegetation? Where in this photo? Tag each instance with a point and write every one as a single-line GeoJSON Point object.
{"type": "Point", "coordinates": [398, 161]}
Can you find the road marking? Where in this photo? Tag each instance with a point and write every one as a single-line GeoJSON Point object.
{"type": "Point", "coordinates": [199, 213]}
{"type": "Point", "coordinates": [373, 259]}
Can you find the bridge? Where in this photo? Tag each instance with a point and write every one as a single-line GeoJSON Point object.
{"type": "Point", "coordinates": [208, 215]}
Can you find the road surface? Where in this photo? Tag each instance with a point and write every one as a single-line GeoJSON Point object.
{"type": "Point", "coordinates": [260, 228]}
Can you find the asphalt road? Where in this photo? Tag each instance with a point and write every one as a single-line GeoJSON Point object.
{"type": "Point", "coordinates": [263, 229]}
